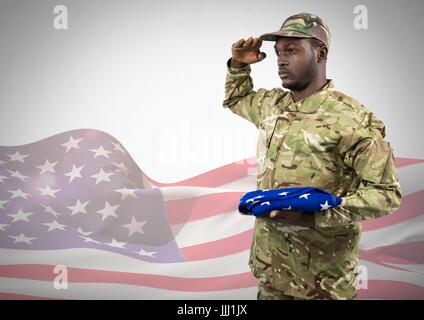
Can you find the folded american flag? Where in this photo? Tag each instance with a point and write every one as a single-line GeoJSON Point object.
{"type": "Point", "coordinates": [309, 199]}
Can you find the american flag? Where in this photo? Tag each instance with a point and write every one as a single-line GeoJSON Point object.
{"type": "Point", "coordinates": [307, 199]}
{"type": "Point", "coordinates": [78, 199]}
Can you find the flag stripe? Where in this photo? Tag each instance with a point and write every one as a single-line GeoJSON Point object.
{"type": "Point", "coordinates": [403, 162]}
{"type": "Point", "coordinates": [384, 272]}
{"type": "Point", "coordinates": [219, 248]}
{"type": "Point", "coordinates": [241, 280]}
{"type": "Point", "coordinates": [12, 296]}
{"type": "Point", "coordinates": [184, 210]}
{"type": "Point", "coordinates": [409, 209]}
{"type": "Point", "coordinates": [46, 273]}
{"type": "Point", "coordinates": [402, 232]}
{"type": "Point", "coordinates": [405, 253]}
{"type": "Point", "coordinates": [211, 229]}
{"type": "Point", "coordinates": [215, 177]}
{"type": "Point", "coordinates": [95, 259]}
{"type": "Point", "coordinates": [92, 290]}
{"type": "Point", "coordinates": [391, 290]}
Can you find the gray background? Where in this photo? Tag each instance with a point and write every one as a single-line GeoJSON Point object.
{"type": "Point", "coordinates": [151, 73]}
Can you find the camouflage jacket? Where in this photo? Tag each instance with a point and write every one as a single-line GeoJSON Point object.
{"type": "Point", "coordinates": [330, 141]}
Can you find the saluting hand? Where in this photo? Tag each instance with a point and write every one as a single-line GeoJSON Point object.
{"type": "Point", "coordinates": [246, 52]}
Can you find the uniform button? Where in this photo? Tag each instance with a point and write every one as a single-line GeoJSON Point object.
{"type": "Point", "coordinates": [275, 184]}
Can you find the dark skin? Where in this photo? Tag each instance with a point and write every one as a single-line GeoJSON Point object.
{"type": "Point", "coordinates": [301, 67]}
{"type": "Point", "coordinates": [302, 70]}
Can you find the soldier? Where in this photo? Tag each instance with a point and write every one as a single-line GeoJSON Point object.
{"type": "Point", "coordinates": [310, 135]}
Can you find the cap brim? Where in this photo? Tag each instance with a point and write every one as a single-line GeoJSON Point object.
{"type": "Point", "coordinates": [273, 36]}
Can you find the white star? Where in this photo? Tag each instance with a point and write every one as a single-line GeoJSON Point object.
{"type": "Point", "coordinates": [55, 225]}
{"type": "Point", "coordinates": [324, 206]}
{"type": "Point", "coordinates": [22, 238]}
{"type": "Point", "coordinates": [289, 208]}
{"type": "Point", "coordinates": [17, 174]}
{"type": "Point", "coordinates": [50, 210]}
{"type": "Point", "coordinates": [305, 196]}
{"type": "Point", "coordinates": [72, 143]}
{"type": "Point", "coordinates": [2, 163]}
{"type": "Point", "coordinates": [283, 193]}
{"type": "Point", "coordinates": [266, 202]}
{"type": "Point", "coordinates": [78, 207]}
{"type": "Point", "coordinates": [116, 244]}
{"type": "Point", "coordinates": [21, 216]}
{"type": "Point", "coordinates": [2, 226]}
{"type": "Point", "coordinates": [84, 233]}
{"type": "Point", "coordinates": [108, 211]}
{"type": "Point", "coordinates": [145, 253]}
{"type": "Point", "coordinates": [74, 173]}
{"type": "Point", "coordinates": [100, 151]}
{"type": "Point", "coordinates": [2, 203]}
{"type": "Point", "coordinates": [134, 226]}
{"type": "Point", "coordinates": [88, 239]}
{"type": "Point", "coordinates": [19, 193]}
{"type": "Point", "coordinates": [126, 193]}
{"type": "Point", "coordinates": [253, 199]}
{"type": "Point", "coordinates": [48, 192]}
{"type": "Point", "coordinates": [118, 147]}
{"type": "Point", "coordinates": [47, 166]}
{"type": "Point", "coordinates": [102, 176]}
{"type": "Point", "coordinates": [17, 157]}
{"type": "Point", "coordinates": [2, 178]}
{"type": "Point", "coordinates": [121, 168]}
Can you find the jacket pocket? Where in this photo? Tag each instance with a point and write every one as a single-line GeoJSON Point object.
{"type": "Point", "coordinates": [370, 164]}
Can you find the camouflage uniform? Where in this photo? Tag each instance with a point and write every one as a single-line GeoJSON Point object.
{"type": "Point", "coordinates": [330, 141]}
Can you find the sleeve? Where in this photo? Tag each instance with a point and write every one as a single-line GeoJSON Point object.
{"type": "Point", "coordinates": [239, 95]}
{"type": "Point", "coordinates": [371, 157]}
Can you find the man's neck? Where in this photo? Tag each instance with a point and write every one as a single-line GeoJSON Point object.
{"type": "Point", "coordinates": [317, 84]}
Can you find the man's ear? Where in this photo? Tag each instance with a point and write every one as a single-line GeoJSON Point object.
{"type": "Point", "coordinates": [322, 54]}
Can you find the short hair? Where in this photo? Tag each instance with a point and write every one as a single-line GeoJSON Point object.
{"type": "Point", "coordinates": [315, 43]}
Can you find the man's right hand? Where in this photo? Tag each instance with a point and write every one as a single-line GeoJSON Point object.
{"type": "Point", "coordinates": [246, 52]}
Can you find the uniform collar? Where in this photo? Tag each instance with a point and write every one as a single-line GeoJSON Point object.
{"type": "Point", "coordinates": [310, 103]}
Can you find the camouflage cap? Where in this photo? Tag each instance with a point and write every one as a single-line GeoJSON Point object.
{"type": "Point", "coordinates": [301, 25]}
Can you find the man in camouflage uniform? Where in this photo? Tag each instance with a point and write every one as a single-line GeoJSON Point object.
{"type": "Point", "coordinates": [310, 135]}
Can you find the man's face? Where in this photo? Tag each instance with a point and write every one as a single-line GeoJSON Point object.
{"type": "Point", "coordinates": [297, 65]}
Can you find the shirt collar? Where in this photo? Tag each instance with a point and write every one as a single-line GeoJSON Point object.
{"type": "Point", "coordinates": [310, 103]}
